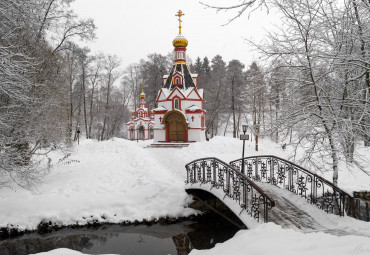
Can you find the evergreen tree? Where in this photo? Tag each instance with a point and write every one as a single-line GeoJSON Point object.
{"type": "Point", "coordinates": [215, 96]}
{"type": "Point", "coordinates": [235, 82]}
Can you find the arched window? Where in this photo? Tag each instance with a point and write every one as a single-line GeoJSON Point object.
{"type": "Point", "coordinates": [176, 103]}
{"type": "Point", "coordinates": [177, 81]}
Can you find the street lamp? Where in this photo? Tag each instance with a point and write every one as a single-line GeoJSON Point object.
{"type": "Point", "coordinates": [244, 137]}
{"type": "Point", "coordinates": [78, 133]}
{"type": "Point", "coordinates": [245, 128]}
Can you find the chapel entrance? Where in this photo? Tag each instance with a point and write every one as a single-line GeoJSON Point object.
{"type": "Point", "coordinates": [141, 135]}
{"type": "Point", "coordinates": [175, 127]}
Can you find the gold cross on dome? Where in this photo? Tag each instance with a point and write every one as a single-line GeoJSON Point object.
{"type": "Point", "coordinates": [179, 14]}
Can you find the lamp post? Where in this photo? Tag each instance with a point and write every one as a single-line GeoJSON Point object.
{"type": "Point", "coordinates": [78, 133]}
{"type": "Point", "coordinates": [244, 137]}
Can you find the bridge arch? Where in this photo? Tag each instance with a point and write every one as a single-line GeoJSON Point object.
{"type": "Point", "coordinates": [212, 203]}
{"type": "Point", "coordinates": [217, 174]}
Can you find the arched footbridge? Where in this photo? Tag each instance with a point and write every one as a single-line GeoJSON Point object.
{"type": "Point", "coordinates": [262, 187]}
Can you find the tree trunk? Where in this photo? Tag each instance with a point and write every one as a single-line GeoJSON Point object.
{"type": "Point", "coordinates": [233, 106]}
{"type": "Point", "coordinates": [84, 98]}
{"type": "Point", "coordinates": [106, 108]}
{"type": "Point", "coordinates": [334, 155]}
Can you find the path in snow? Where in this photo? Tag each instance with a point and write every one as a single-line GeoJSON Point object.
{"type": "Point", "coordinates": [292, 211]}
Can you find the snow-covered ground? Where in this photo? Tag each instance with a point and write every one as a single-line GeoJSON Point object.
{"type": "Point", "coordinates": [272, 239]}
{"type": "Point", "coordinates": [120, 180]}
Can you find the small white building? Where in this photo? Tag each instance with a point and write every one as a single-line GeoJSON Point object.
{"type": "Point", "coordinates": [141, 126]}
{"type": "Point", "coordinates": [180, 115]}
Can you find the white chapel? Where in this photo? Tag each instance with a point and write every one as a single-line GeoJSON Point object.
{"type": "Point", "coordinates": [141, 125]}
{"type": "Point", "coordinates": [180, 115]}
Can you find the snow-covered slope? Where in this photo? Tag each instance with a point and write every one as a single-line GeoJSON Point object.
{"type": "Point", "coordinates": [120, 180]}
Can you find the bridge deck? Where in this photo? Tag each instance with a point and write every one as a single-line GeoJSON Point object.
{"type": "Point", "coordinates": [293, 212]}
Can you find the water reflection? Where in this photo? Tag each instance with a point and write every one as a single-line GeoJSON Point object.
{"type": "Point", "coordinates": [173, 239]}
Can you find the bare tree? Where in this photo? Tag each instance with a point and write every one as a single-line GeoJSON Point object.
{"type": "Point", "coordinates": [256, 93]}
{"type": "Point", "coordinates": [112, 74]}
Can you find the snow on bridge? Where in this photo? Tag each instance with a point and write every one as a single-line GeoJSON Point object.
{"type": "Point", "coordinates": [275, 190]}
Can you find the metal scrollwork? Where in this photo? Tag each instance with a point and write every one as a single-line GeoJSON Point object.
{"type": "Point", "coordinates": [249, 170]}
{"type": "Point", "coordinates": [301, 186]}
{"type": "Point", "coordinates": [263, 170]}
{"type": "Point", "coordinates": [300, 181]}
{"type": "Point", "coordinates": [281, 174]}
{"type": "Point", "coordinates": [255, 207]}
{"type": "Point", "coordinates": [235, 185]}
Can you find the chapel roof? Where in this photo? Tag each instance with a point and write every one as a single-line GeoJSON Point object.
{"type": "Point", "coordinates": [183, 69]}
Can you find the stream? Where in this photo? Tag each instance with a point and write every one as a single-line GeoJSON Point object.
{"type": "Point", "coordinates": [161, 239]}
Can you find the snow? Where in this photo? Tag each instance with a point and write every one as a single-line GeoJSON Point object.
{"type": "Point", "coordinates": [193, 108]}
{"type": "Point", "coordinates": [120, 180]}
{"type": "Point", "coordinates": [270, 238]}
{"type": "Point", "coordinates": [61, 251]}
{"type": "Point", "coordinates": [161, 108]}
{"type": "Point", "coordinates": [113, 181]}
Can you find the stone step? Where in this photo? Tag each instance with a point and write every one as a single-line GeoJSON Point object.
{"type": "Point", "coordinates": [168, 145]}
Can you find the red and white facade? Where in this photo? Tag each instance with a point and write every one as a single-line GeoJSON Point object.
{"type": "Point", "coordinates": [180, 115]}
{"type": "Point", "coordinates": [141, 126]}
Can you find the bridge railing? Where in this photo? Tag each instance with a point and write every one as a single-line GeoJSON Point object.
{"type": "Point", "coordinates": [285, 174]}
{"type": "Point", "coordinates": [250, 197]}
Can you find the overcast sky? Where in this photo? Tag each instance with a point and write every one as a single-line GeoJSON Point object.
{"type": "Point", "coordinates": [132, 29]}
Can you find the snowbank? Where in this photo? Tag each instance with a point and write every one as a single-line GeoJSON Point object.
{"type": "Point", "coordinates": [111, 181]}
{"type": "Point", "coordinates": [272, 239]}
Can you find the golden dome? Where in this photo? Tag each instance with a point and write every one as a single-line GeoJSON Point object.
{"type": "Point", "coordinates": [180, 41]}
{"type": "Point", "coordinates": [142, 95]}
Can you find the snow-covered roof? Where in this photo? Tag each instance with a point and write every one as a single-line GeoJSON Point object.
{"type": "Point", "coordinates": [193, 108]}
{"type": "Point", "coordinates": [160, 108]}
{"type": "Point", "coordinates": [166, 92]}
{"type": "Point", "coordinates": [187, 91]}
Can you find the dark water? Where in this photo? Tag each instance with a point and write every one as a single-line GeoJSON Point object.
{"type": "Point", "coordinates": [159, 239]}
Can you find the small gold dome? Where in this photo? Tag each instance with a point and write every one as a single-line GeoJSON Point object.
{"type": "Point", "coordinates": [180, 41]}
{"type": "Point", "coordinates": [142, 95]}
